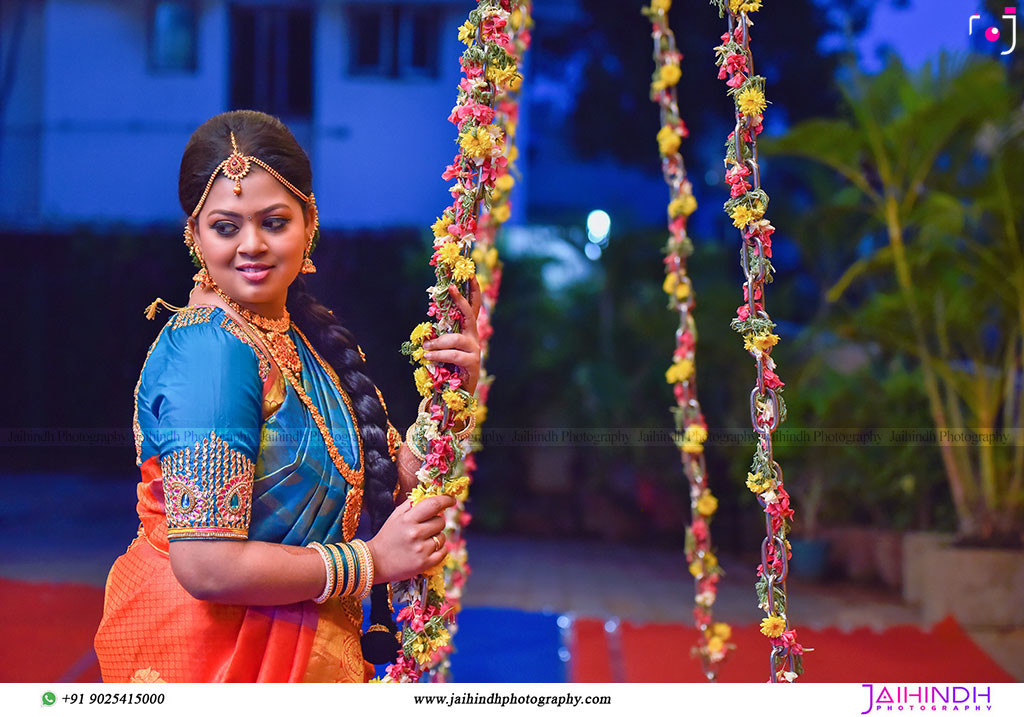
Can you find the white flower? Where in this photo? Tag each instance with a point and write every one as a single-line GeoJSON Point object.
{"type": "Point", "coordinates": [789, 676]}
{"type": "Point", "coordinates": [706, 598]}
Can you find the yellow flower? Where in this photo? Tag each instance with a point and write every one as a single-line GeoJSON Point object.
{"type": "Point", "coordinates": [421, 332]}
{"type": "Point", "coordinates": [467, 33]}
{"type": "Point", "coordinates": [683, 205]}
{"type": "Point", "coordinates": [491, 260]}
{"type": "Point", "coordinates": [661, 5]}
{"type": "Point", "coordinates": [671, 280]}
{"type": "Point", "coordinates": [668, 140]}
{"type": "Point", "coordinates": [468, 410]}
{"type": "Point", "coordinates": [464, 269]}
{"type": "Point", "coordinates": [435, 583]}
{"type": "Point", "coordinates": [477, 254]}
{"type": "Point", "coordinates": [707, 504]}
{"type": "Point", "coordinates": [668, 75]}
{"type": "Point", "coordinates": [679, 371]}
{"type": "Point", "coordinates": [513, 153]}
{"type": "Point", "coordinates": [504, 77]}
{"type": "Point", "coordinates": [716, 644]}
{"type": "Point", "coordinates": [440, 227]}
{"type": "Point", "coordinates": [418, 353]}
{"type": "Point", "coordinates": [772, 626]}
{"type": "Point", "coordinates": [449, 253]}
{"type": "Point", "coordinates": [751, 101]}
{"type": "Point", "coordinates": [696, 568]}
{"type": "Point", "coordinates": [710, 561]}
{"type": "Point", "coordinates": [454, 400]}
{"type": "Point", "coordinates": [458, 488]}
{"type": "Point", "coordinates": [696, 433]}
{"type": "Point", "coordinates": [418, 493]}
{"type": "Point", "coordinates": [761, 342]}
{"type": "Point", "coordinates": [515, 20]}
{"type": "Point", "coordinates": [501, 213]}
{"type": "Point", "coordinates": [505, 182]}
{"type": "Point", "coordinates": [721, 630]}
{"type": "Point", "coordinates": [476, 143]}
{"type": "Point", "coordinates": [742, 215]}
{"type": "Point", "coordinates": [481, 413]}
{"type": "Point", "coordinates": [741, 6]}
{"type": "Point", "coordinates": [424, 384]}
{"type": "Point", "coordinates": [693, 439]}
{"type": "Point", "coordinates": [756, 484]}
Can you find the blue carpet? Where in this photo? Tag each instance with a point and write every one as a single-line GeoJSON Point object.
{"type": "Point", "coordinates": [503, 645]}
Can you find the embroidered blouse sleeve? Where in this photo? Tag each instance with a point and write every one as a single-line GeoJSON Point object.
{"type": "Point", "coordinates": [208, 405]}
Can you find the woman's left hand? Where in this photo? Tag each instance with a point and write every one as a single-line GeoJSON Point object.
{"type": "Point", "coordinates": [461, 349]}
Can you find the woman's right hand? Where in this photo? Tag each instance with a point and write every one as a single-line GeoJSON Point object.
{"type": "Point", "coordinates": [404, 546]}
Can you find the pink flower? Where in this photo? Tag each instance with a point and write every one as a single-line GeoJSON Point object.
{"type": "Point", "coordinates": [680, 392]}
{"type": "Point", "coordinates": [700, 530]}
{"type": "Point", "coordinates": [788, 640]}
{"type": "Point", "coordinates": [743, 312]}
{"type": "Point", "coordinates": [757, 293]}
{"type": "Point", "coordinates": [771, 380]}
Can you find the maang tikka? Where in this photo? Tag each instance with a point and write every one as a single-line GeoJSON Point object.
{"type": "Point", "coordinates": [235, 167]}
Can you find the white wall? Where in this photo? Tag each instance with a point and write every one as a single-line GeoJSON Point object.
{"type": "Point", "coordinates": [92, 136]}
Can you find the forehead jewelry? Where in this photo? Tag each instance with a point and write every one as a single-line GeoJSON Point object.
{"type": "Point", "coordinates": [236, 166]}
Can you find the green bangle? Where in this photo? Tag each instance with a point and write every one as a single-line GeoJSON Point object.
{"type": "Point", "coordinates": [340, 577]}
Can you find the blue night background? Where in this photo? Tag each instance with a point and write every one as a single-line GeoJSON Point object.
{"type": "Point", "coordinates": [97, 100]}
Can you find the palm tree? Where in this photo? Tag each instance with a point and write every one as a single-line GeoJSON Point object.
{"type": "Point", "coordinates": [930, 163]}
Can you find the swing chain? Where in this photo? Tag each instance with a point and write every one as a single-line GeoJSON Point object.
{"type": "Point", "coordinates": [761, 396]}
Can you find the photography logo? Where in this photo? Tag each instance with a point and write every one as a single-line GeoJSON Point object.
{"type": "Point", "coordinates": [928, 698]}
{"type": "Point", "coordinates": [993, 34]}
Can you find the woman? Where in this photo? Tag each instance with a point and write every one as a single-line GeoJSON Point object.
{"type": "Point", "coordinates": [260, 438]}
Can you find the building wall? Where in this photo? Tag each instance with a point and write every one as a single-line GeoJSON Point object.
{"type": "Point", "coordinates": [92, 136]}
{"type": "Point", "coordinates": [21, 111]}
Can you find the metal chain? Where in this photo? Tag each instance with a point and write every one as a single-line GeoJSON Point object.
{"type": "Point", "coordinates": [489, 269]}
{"type": "Point", "coordinates": [767, 409]}
{"type": "Point", "coordinates": [423, 652]}
{"type": "Point", "coordinates": [691, 425]}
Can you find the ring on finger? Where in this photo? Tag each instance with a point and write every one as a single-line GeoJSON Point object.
{"type": "Point", "coordinates": [438, 541]}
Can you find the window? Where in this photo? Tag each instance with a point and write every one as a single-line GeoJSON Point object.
{"type": "Point", "coordinates": [272, 60]}
{"type": "Point", "coordinates": [172, 37]}
{"type": "Point", "coordinates": [394, 41]}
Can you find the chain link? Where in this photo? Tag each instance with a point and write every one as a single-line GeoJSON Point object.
{"type": "Point", "coordinates": [766, 406]}
{"type": "Point", "coordinates": [711, 647]}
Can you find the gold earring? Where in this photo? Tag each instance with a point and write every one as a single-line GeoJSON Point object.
{"type": "Point", "coordinates": [201, 277]}
{"type": "Point", "coordinates": [307, 264]}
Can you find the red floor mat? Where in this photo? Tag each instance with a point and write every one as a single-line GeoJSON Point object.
{"type": "Point", "coordinates": [46, 632]}
{"type": "Point", "coordinates": [661, 653]}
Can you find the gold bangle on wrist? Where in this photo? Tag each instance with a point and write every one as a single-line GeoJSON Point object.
{"type": "Point", "coordinates": [329, 568]}
{"type": "Point", "coordinates": [468, 430]}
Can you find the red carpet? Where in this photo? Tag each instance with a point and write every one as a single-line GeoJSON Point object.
{"type": "Point", "coordinates": [46, 632]}
{"type": "Point", "coordinates": [661, 653]}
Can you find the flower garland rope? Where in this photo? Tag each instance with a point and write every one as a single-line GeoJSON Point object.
{"type": "Point", "coordinates": [488, 275]}
{"type": "Point", "coordinates": [746, 207]}
{"type": "Point", "coordinates": [487, 64]}
{"type": "Point", "coordinates": [691, 427]}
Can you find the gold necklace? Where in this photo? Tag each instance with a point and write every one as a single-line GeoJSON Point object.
{"type": "Point", "coordinates": [274, 333]}
{"type": "Point", "coordinates": [282, 350]}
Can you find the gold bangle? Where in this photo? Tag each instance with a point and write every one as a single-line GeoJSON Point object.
{"type": "Point", "coordinates": [468, 430]}
{"type": "Point", "coordinates": [329, 569]}
{"type": "Point", "coordinates": [366, 563]}
{"type": "Point", "coordinates": [410, 440]}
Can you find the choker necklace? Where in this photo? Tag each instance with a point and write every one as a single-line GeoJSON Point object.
{"type": "Point", "coordinates": [274, 332]}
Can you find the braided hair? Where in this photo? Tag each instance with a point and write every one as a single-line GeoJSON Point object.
{"type": "Point", "coordinates": [267, 138]}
